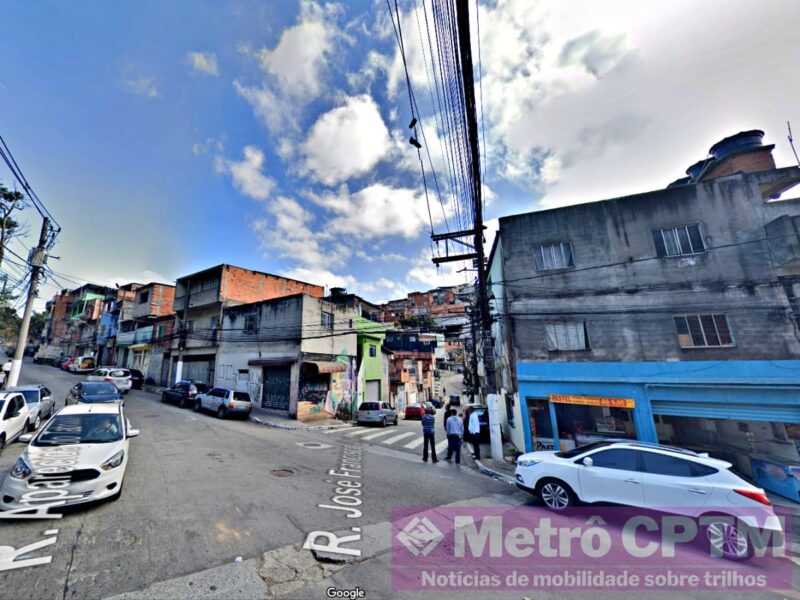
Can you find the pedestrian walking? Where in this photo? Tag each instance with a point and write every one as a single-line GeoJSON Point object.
{"type": "Point", "coordinates": [428, 434]}
{"type": "Point", "coordinates": [455, 430]}
{"type": "Point", "coordinates": [474, 429]}
{"type": "Point", "coordinates": [446, 416]}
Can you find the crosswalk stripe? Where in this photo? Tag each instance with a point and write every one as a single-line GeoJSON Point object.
{"type": "Point", "coordinates": [359, 431]}
{"type": "Point", "coordinates": [441, 446]}
{"type": "Point", "coordinates": [392, 440]}
{"type": "Point", "coordinates": [415, 443]}
{"type": "Point", "coordinates": [374, 435]}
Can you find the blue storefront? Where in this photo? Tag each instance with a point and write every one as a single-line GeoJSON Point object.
{"type": "Point", "coordinates": [745, 412]}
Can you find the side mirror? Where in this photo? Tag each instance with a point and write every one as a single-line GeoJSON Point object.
{"type": "Point", "coordinates": [25, 438]}
{"type": "Point", "coordinates": [133, 433]}
{"type": "Point", "coordinates": [588, 462]}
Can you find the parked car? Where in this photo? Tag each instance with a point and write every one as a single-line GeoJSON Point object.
{"type": "Point", "coordinates": [437, 404]}
{"type": "Point", "coordinates": [650, 476]}
{"type": "Point", "coordinates": [184, 393]}
{"type": "Point", "coordinates": [224, 402]}
{"type": "Point", "coordinates": [65, 365]}
{"type": "Point", "coordinates": [429, 406]}
{"type": "Point", "coordinates": [137, 379]}
{"type": "Point", "coordinates": [40, 402]}
{"type": "Point", "coordinates": [93, 391]}
{"type": "Point", "coordinates": [376, 412]}
{"type": "Point", "coordinates": [98, 440]}
{"type": "Point", "coordinates": [116, 375]}
{"type": "Point", "coordinates": [483, 419]}
{"type": "Point", "coordinates": [47, 355]}
{"type": "Point", "coordinates": [82, 364]}
{"type": "Point", "coordinates": [14, 417]}
{"type": "Point", "coordinates": [455, 400]}
{"type": "Point", "coordinates": [414, 411]}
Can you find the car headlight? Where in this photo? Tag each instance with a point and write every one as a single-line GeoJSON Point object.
{"type": "Point", "coordinates": [528, 462]}
{"type": "Point", "coordinates": [114, 461]}
{"type": "Point", "coordinates": [21, 469]}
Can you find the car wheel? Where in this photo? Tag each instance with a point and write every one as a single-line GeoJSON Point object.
{"type": "Point", "coordinates": [726, 539]}
{"type": "Point", "coordinates": [383, 422]}
{"type": "Point", "coordinates": [163, 397]}
{"type": "Point", "coordinates": [37, 422]}
{"type": "Point", "coordinates": [198, 406]}
{"type": "Point", "coordinates": [221, 412]}
{"type": "Point", "coordinates": [182, 403]}
{"type": "Point", "coordinates": [395, 420]}
{"type": "Point", "coordinates": [556, 494]}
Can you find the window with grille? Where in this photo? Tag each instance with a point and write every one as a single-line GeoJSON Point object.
{"type": "Point", "coordinates": [703, 331]}
{"type": "Point", "coordinates": [567, 336]}
{"type": "Point", "coordinates": [251, 323]}
{"type": "Point", "coordinates": [679, 241]}
{"type": "Point", "coordinates": [553, 256]}
{"type": "Point", "coordinates": [327, 320]}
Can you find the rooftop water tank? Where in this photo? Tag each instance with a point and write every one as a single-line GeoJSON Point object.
{"type": "Point", "coordinates": [694, 171]}
{"type": "Point", "coordinates": [744, 140]}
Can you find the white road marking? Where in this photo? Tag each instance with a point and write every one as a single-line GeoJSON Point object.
{"type": "Point", "coordinates": [415, 443]}
{"type": "Point", "coordinates": [375, 435]}
{"type": "Point", "coordinates": [358, 432]}
{"type": "Point", "coordinates": [441, 447]}
{"type": "Point", "coordinates": [392, 440]}
{"type": "Point", "coordinates": [51, 532]}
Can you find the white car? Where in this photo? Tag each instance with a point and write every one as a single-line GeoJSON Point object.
{"type": "Point", "coordinates": [87, 444]}
{"type": "Point", "coordinates": [650, 476]}
{"type": "Point", "coordinates": [83, 364]}
{"type": "Point", "coordinates": [224, 402]}
{"type": "Point", "coordinates": [14, 416]}
{"type": "Point", "coordinates": [118, 376]}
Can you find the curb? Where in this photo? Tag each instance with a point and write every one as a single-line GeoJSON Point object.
{"type": "Point", "coordinates": [480, 467]}
{"type": "Point", "coordinates": [294, 427]}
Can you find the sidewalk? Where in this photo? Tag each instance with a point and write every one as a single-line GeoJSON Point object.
{"type": "Point", "coordinates": [500, 470]}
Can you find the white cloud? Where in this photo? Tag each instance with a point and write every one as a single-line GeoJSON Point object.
{"type": "Point", "coordinates": [595, 52]}
{"type": "Point", "coordinates": [142, 86]}
{"type": "Point", "coordinates": [204, 62]}
{"type": "Point", "coordinates": [429, 276]}
{"type": "Point", "coordinates": [375, 211]}
{"type": "Point", "coordinates": [347, 141]}
{"type": "Point", "coordinates": [210, 144]}
{"type": "Point", "coordinates": [247, 174]}
{"type": "Point", "coordinates": [322, 276]}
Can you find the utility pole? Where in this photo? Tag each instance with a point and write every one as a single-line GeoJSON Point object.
{"type": "Point", "coordinates": [37, 260]}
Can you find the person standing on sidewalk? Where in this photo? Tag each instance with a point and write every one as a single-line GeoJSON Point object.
{"type": "Point", "coordinates": [6, 372]}
{"type": "Point", "coordinates": [474, 429]}
{"type": "Point", "coordinates": [428, 435]}
{"type": "Point", "coordinates": [455, 429]}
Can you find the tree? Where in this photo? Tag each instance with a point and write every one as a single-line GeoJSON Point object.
{"type": "Point", "coordinates": [10, 228]}
{"type": "Point", "coordinates": [37, 324]}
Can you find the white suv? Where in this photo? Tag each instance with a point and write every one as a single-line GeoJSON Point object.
{"type": "Point", "coordinates": [645, 475]}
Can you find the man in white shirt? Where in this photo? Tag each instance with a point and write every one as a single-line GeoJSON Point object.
{"type": "Point", "coordinates": [6, 371]}
{"type": "Point", "coordinates": [455, 429]}
{"type": "Point", "coordinates": [474, 428]}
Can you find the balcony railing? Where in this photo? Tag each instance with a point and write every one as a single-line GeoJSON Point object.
{"type": "Point", "coordinates": [140, 336]}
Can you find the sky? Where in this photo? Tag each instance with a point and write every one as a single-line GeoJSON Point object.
{"type": "Point", "coordinates": [167, 137]}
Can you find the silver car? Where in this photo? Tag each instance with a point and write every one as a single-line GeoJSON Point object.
{"type": "Point", "coordinates": [224, 402]}
{"type": "Point", "coordinates": [40, 402]}
{"type": "Point", "coordinates": [376, 412]}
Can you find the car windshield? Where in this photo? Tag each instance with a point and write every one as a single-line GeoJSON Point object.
{"type": "Point", "coordinates": [370, 406]}
{"type": "Point", "coordinates": [241, 396]}
{"type": "Point", "coordinates": [98, 388]}
{"type": "Point", "coordinates": [582, 449]}
{"type": "Point", "coordinates": [31, 396]}
{"type": "Point", "coordinates": [80, 429]}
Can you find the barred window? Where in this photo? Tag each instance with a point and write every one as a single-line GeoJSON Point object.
{"type": "Point", "coordinates": [327, 320]}
{"type": "Point", "coordinates": [679, 241]}
{"type": "Point", "coordinates": [553, 256]}
{"type": "Point", "coordinates": [250, 323]}
{"type": "Point", "coordinates": [567, 336]}
{"type": "Point", "coordinates": [703, 331]}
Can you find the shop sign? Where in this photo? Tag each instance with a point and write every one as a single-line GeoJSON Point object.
{"type": "Point", "coordinates": [593, 401]}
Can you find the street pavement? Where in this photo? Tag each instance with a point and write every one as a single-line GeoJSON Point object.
{"type": "Point", "coordinates": [220, 509]}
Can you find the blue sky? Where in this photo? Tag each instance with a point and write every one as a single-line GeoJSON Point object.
{"type": "Point", "coordinates": [168, 137]}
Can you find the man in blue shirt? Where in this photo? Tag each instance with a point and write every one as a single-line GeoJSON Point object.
{"type": "Point", "coordinates": [428, 430]}
{"type": "Point", "coordinates": [455, 429]}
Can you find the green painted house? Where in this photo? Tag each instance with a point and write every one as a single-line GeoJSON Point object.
{"type": "Point", "coordinates": [373, 369]}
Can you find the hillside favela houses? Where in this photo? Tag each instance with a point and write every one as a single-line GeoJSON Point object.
{"type": "Point", "coordinates": [645, 317]}
{"type": "Point", "coordinates": [295, 350]}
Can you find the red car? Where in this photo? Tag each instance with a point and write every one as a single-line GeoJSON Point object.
{"type": "Point", "coordinates": [65, 365]}
{"type": "Point", "coordinates": [415, 411]}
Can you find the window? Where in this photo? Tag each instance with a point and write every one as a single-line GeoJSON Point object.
{"type": "Point", "coordinates": [144, 297]}
{"type": "Point", "coordinates": [162, 332]}
{"type": "Point", "coordinates": [553, 256]}
{"type": "Point", "coordinates": [251, 323]}
{"type": "Point", "coordinates": [622, 460]}
{"type": "Point", "coordinates": [567, 336]}
{"type": "Point", "coordinates": [327, 320]}
{"type": "Point", "coordinates": [373, 351]}
{"type": "Point", "coordinates": [189, 326]}
{"type": "Point", "coordinates": [703, 331]}
{"type": "Point", "coordinates": [679, 241]}
{"type": "Point", "coordinates": [203, 286]}
{"type": "Point", "coordinates": [663, 464]}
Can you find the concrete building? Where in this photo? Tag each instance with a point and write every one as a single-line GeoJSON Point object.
{"type": "Point", "coordinates": [134, 340]}
{"type": "Point", "coordinates": [200, 299]}
{"type": "Point", "coordinates": [117, 306]}
{"type": "Point", "coordinates": [666, 316]}
{"type": "Point", "coordinates": [55, 326]}
{"type": "Point", "coordinates": [81, 319]}
{"type": "Point", "coordinates": [296, 354]}
{"type": "Point", "coordinates": [411, 369]}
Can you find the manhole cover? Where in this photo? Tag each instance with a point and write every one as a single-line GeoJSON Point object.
{"type": "Point", "coordinates": [313, 445]}
{"type": "Point", "coordinates": [282, 473]}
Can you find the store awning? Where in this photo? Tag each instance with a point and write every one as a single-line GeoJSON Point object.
{"type": "Point", "coordinates": [140, 347]}
{"type": "Point", "coordinates": [321, 366]}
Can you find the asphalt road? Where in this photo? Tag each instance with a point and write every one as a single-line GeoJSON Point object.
{"type": "Point", "coordinates": [200, 492]}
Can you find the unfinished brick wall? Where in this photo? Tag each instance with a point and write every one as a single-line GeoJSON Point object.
{"type": "Point", "coordinates": [746, 162]}
{"type": "Point", "coordinates": [245, 286]}
{"type": "Point", "coordinates": [162, 299]}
